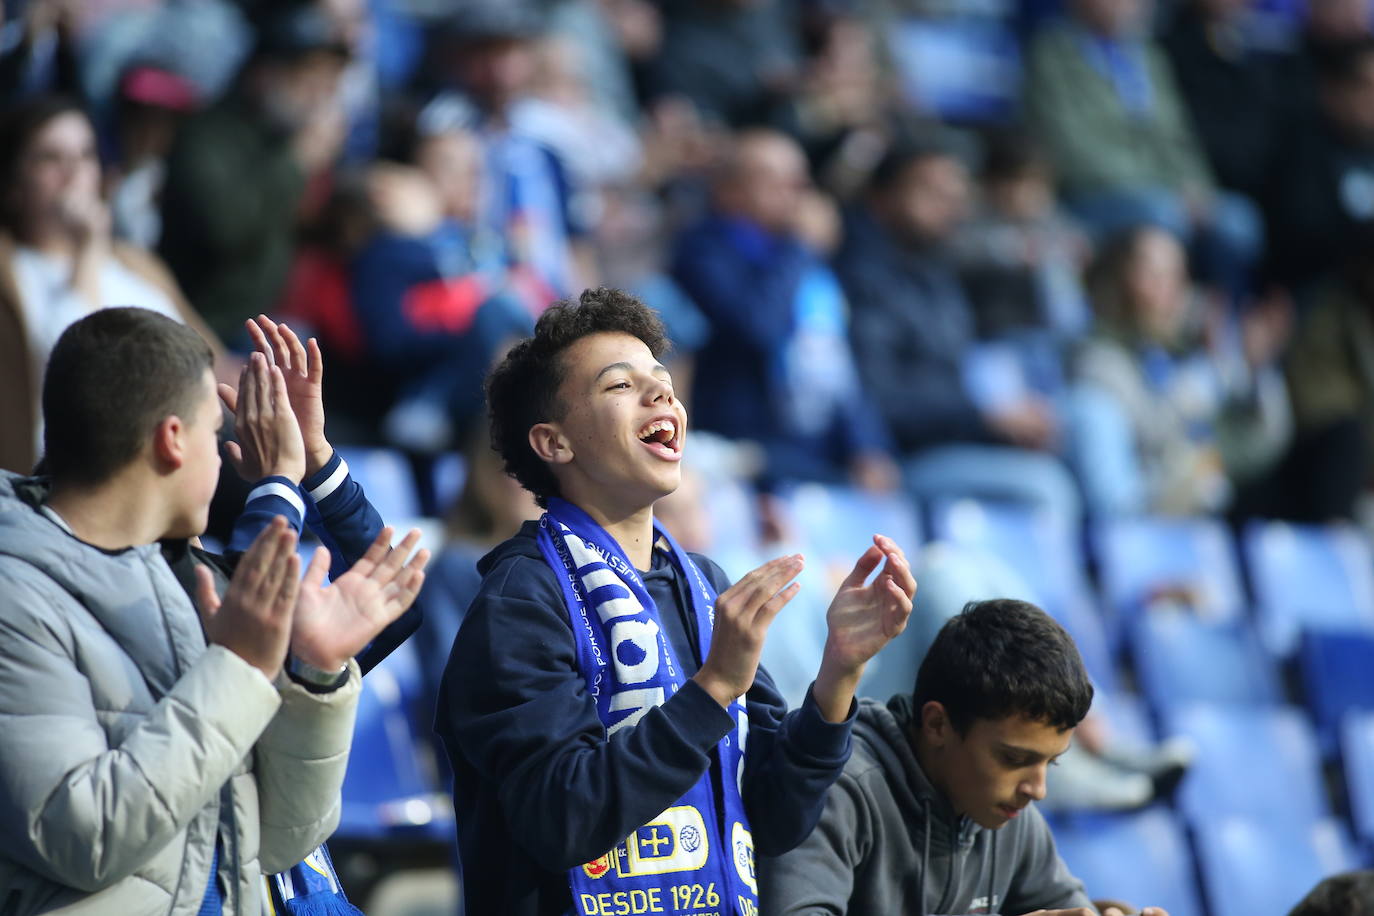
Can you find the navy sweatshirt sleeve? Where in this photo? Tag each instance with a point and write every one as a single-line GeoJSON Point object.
{"type": "Point", "coordinates": [337, 511]}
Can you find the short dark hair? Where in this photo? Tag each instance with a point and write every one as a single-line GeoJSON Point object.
{"type": "Point", "coordinates": [523, 390]}
{"type": "Point", "coordinates": [113, 376]}
{"type": "Point", "coordinates": [1011, 154]}
{"type": "Point", "coordinates": [916, 144]}
{"type": "Point", "coordinates": [1350, 894]}
{"type": "Point", "coordinates": [1000, 658]}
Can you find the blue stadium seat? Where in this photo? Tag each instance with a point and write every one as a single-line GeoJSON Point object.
{"type": "Point", "coordinates": [386, 790]}
{"type": "Point", "coordinates": [1337, 668]}
{"type": "Point", "coordinates": [1251, 867]}
{"type": "Point", "coordinates": [1040, 546]}
{"type": "Point", "coordinates": [965, 69]}
{"type": "Point", "coordinates": [1126, 717]}
{"type": "Point", "coordinates": [388, 480]}
{"type": "Point", "coordinates": [1181, 659]}
{"type": "Point", "coordinates": [1042, 550]}
{"type": "Point", "coordinates": [1357, 755]}
{"type": "Point", "coordinates": [1308, 576]}
{"type": "Point", "coordinates": [837, 523]}
{"type": "Point", "coordinates": [1137, 557]}
{"type": "Point", "coordinates": [1142, 858]}
{"type": "Point", "coordinates": [1254, 761]}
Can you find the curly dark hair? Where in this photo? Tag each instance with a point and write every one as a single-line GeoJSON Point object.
{"type": "Point", "coordinates": [1001, 658]}
{"type": "Point", "coordinates": [523, 390]}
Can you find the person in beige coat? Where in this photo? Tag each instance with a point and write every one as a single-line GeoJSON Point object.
{"type": "Point", "coordinates": [155, 758]}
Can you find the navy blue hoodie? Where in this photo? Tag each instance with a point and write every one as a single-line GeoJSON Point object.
{"type": "Point", "coordinates": [539, 788]}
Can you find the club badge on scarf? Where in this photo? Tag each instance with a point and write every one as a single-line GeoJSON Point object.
{"type": "Point", "coordinates": [310, 888]}
{"type": "Point", "coordinates": [685, 861]}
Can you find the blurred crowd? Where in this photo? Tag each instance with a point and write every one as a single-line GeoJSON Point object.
{"type": "Point", "coordinates": [1102, 256]}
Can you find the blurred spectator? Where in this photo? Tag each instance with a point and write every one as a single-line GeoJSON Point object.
{"type": "Point", "coordinates": [1350, 894]}
{"type": "Point", "coordinates": [597, 146]}
{"type": "Point", "coordinates": [1104, 101]}
{"type": "Point", "coordinates": [38, 50]}
{"type": "Point", "coordinates": [777, 367]}
{"type": "Point", "coordinates": [1324, 184]}
{"type": "Point", "coordinates": [842, 105]}
{"type": "Point", "coordinates": [1328, 26]}
{"type": "Point", "coordinates": [1021, 257]}
{"type": "Point", "coordinates": [913, 329]}
{"type": "Point", "coordinates": [490, 60]}
{"type": "Point", "coordinates": [614, 37]}
{"type": "Point", "coordinates": [408, 291]}
{"type": "Point", "coordinates": [1331, 377]}
{"type": "Point", "coordinates": [491, 508]}
{"type": "Point", "coordinates": [1233, 90]}
{"type": "Point", "coordinates": [238, 173]}
{"type": "Point", "coordinates": [152, 105]}
{"type": "Point", "coordinates": [430, 291]}
{"type": "Point", "coordinates": [58, 261]}
{"type": "Point", "coordinates": [1172, 407]}
{"type": "Point", "coordinates": [737, 60]}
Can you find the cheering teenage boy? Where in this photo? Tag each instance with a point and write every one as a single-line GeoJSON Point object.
{"type": "Point", "coordinates": [616, 748]}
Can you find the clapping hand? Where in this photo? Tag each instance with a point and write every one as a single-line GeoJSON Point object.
{"type": "Point", "coordinates": [255, 618]}
{"type": "Point", "coordinates": [269, 438]}
{"type": "Point", "coordinates": [303, 366]}
{"type": "Point", "coordinates": [334, 622]}
{"type": "Point", "coordinates": [862, 619]}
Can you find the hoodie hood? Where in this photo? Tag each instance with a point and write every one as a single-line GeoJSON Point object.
{"type": "Point", "coordinates": [523, 544]}
{"type": "Point", "coordinates": [882, 734]}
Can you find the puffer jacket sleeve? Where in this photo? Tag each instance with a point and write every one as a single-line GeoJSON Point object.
{"type": "Point", "coordinates": [299, 763]}
{"type": "Point", "coordinates": [74, 809]}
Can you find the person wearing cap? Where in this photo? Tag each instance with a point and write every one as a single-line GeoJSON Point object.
{"type": "Point", "coordinates": [229, 240]}
{"type": "Point", "coordinates": [153, 102]}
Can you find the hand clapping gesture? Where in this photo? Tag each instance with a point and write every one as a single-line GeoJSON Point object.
{"type": "Point", "coordinates": [268, 606]}
{"type": "Point", "coordinates": [862, 619]}
{"type": "Point", "coordinates": [334, 622]}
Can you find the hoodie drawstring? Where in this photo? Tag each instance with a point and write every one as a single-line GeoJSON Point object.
{"type": "Point", "coordinates": [992, 875]}
{"type": "Point", "coordinates": [925, 856]}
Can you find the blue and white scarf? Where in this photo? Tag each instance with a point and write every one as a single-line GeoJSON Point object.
{"type": "Point", "coordinates": [310, 888]}
{"type": "Point", "coordinates": [685, 860]}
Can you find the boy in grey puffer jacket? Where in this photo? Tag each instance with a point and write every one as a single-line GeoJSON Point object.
{"type": "Point", "coordinates": [156, 760]}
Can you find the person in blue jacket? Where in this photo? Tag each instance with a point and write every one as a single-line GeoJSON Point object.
{"type": "Point", "coordinates": [777, 367]}
{"type": "Point", "coordinates": [614, 743]}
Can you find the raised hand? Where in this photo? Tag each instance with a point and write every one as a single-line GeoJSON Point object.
{"type": "Point", "coordinates": [269, 439]}
{"type": "Point", "coordinates": [303, 366]}
{"type": "Point", "coordinates": [255, 618]}
{"type": "Point", "coordinates": [861, 620]}
{"type": "Point", "coordinates": [335, 622]}
{"type": "Point", "coordinates": [743, 614]}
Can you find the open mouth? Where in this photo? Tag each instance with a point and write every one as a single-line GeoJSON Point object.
{"type": "Point", "coordinates": [663, 437]}
{"type": "Point", "coordinates": [1008, 811]}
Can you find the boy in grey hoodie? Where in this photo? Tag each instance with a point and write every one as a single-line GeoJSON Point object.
{"type": "Point", "coordinates": [933, 813]}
